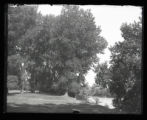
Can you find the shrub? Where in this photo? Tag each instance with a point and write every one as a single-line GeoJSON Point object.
{"type": "Point", "coordinates": [12, 82]}
{"type": "Point", "coordinates": [44, 82]}
{"type": "Point", "coordinates": [55, 89]}
{"type": "Point", "coordinates": [73, 89]}
{"type": "Point", "coordinates": [101, 92]}
{"type": "Point", "coordinates": [80, 97]}
{"type": "Point", "coordinates": [58, 89]}
{"type": "Point", "coordinates": [83, 93]}
{"type": "Point", "coordinates": [27, 86]}
{"type": "Point", "coordinates": [132, 99]}
{"type": "Point", "coordinates": [71, 94]}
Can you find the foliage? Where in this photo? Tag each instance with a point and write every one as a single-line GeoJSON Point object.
{"type": "Point", "coordinates": [57, 50]}
{"type": "Point", "coordinates": [73, 89]}
{"type": "Point", "coordinates": [14, 68]}
{"type": "Point", "coordinates": [126, 67]}
{"type": "Point", "coordinates": [82, 41]}
{"type": "Point", "coordinates": [13, 65]}
{"type": "Point", "coordinates": [20, 20]}
{"type": "Point", "coordinates": [132, 100]}
{"type": "Point", "coordinates": [103, 75]}
{"type": "Point", "coordinates": [97, 90]}
{"type": "Point", "coordinates": [83, 94]}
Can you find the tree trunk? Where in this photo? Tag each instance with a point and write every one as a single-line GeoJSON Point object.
{"type": "Point", "coordinates": [22, 85]}
{"type": "Point", "coordinates": [32, 83]}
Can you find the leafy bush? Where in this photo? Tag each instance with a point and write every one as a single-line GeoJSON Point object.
{"type": "Point", "coordinates": [58, 89]}
{"type": "Point", "coordinates": [126, 68]}
{"type": "Point", "coordinates": [82, 95]}
{"type": "Point", "coordinates": [97, 91]}
{"type": "Point", "coordinates": [27, 86]}
{"type": "Point", "coordinates": [47, 85]}
{"type": "Point", "coordinates": [55, 89]}
{"type": "Point", "coordinates": [12, 82]}
{"type": "Point", "coordinates": [44, 82]}
{"type": "Point", "coordinates": [71, 94]}
{"type": "Point", "coordinates": [132, 100]}
{"type": "Point", "coordinates": [74, 88]}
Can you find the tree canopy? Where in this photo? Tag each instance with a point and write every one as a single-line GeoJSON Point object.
{"type": "Point", "coordinates": [60, 49]}
{"type": "Point", "coordinates": [103, 75]}
{"type": "Point", "coordinates": [126, 65]}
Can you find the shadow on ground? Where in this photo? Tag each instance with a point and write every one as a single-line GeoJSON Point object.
{"type": "Point", "coordinates": [63, 108]}
{"type": "Point", "coordinates": [12, 94]}
{"type": "Point", "coordinates": [41, 103]}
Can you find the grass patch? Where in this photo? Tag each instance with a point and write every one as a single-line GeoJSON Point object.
{"type": "Point", "coordinates": [40, 103]}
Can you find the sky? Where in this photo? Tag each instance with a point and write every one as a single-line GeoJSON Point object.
{"type": "Point", "coordinates": [109, 18]}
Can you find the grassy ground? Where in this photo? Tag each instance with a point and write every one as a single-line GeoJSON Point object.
{"type": "Point", "coordinates": [42, 103]}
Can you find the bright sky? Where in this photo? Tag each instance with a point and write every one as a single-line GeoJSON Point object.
{"type": "Point", "coordinates": [110, 18]}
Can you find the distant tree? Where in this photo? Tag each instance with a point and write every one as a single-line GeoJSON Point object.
{"type": "Point", "coordinates": [103, 75]}
{"type": "Point", "coordinates": [99, 90]}
{"type": "Point", "coordinates": [126, 68]}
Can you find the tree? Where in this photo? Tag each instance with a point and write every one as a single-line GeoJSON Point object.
{"type": "Point", "coordinates": [15, 68]}
{"type": "Point", "coordinates": [79, 44]}
{"type": "Point", "coordinates": [103, 75]}
{"type": "Point", "coordinates": [126, 67]}
{"type": "Point", "coordinates": [41, 53]}
{"type": "Point", "coordinates": [60, 47]}
{"type": "Point", "coordinates": [20, 20]}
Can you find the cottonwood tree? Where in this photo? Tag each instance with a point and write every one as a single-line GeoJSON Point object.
{"type": "Point", "coordinates": [79, 44]}
{"type": "Point", "coordinates": [61, 49]}
{"type": "Point", "coordinates": [68, 44]}
{"type": "Point", "coordinates": [126, 67]}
